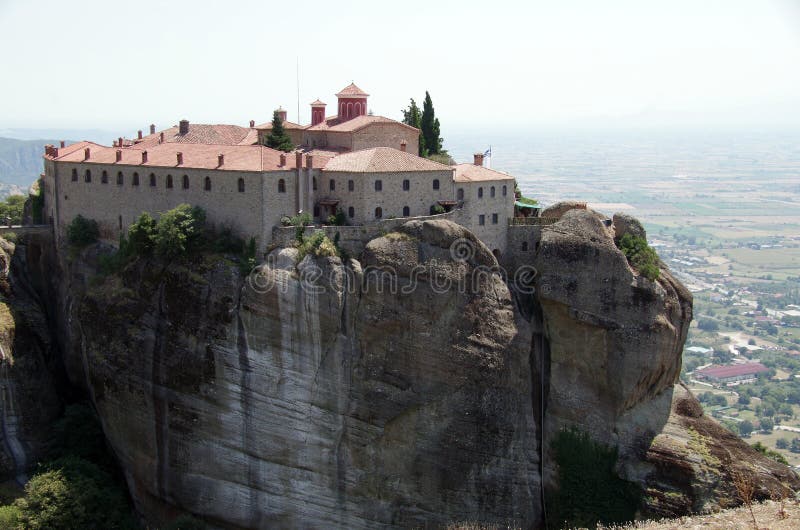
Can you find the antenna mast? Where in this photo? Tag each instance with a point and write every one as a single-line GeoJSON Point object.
{"type": "Point", "coordinates": [298, 89]}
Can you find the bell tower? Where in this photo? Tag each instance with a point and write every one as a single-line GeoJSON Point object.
{"type": "Point", "coordinates": [317, 112]}
{"type": "Point", "coordinates": [352, 102]}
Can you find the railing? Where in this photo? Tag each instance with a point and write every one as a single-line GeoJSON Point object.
{"type": "Point", "coordinates": [531, 221]}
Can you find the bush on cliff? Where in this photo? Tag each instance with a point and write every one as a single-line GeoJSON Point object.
{"type": "Point", "coordinates": [640, 255]}
{"type": "Point", "coordinates": [82, 231]}
{"type": "Point", "coordinates": [589, 490]}
{"type": "Point", "coordinates": [317, 244]}
{"type": "Point", "coordinates": [141, 235]}
{"type": "Point", "coordinates": [179, 231]}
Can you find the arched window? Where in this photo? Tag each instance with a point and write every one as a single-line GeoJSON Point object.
{"type": "Point", "coordinates": [480, 192]}
{"type": "Point", "coordinates": [169, 181]}
{"type": "Point", "coordinates": [281, 186]}
{"type": "Point", "coordinates": [351, 212]}
{"type": "Point", "coordinates": [349, 110]}
{"type": "Point", "coordinates": [241, 185]}
{"type": "Point", "coordinates": [120, 179]}
{"type": "Point", "coordinates": [357, 110]}
{"type": "Point", "coordinates": [341, 110]}
{"type": "Point", "coordinates": [378, 212]}
{"type": "Point", "coordinates": [152, 179]}
{"type": "Point", "coordinates": [332, 184]}
{"type": "Point", "coordinates": [491, 192]}
{"type": "Point", "coordinates": [524, 246]}
{"type": "Point", "coordinates": [88, 176]}
{"type": "Point", "coordinates": [378, 185]}
{"type": "Point", "coordinates": [351, 185]}
{"type": "Point", "coordinates": [74, 175]}
{"type": "Point", "coordinates": [406, 185]}
{"type": "Point", "coordinates": [207, 184]}
{"type": "Point", "coordinates": [494, 218]}
{"type": "Point", "coordinates": [505, 190]}
{"type": "Point", "coordinates": [186, 182]}
{"type": "Point", "coordinates": [460, 194]}
{"type": "Point", "coordinates": [436, 184]}
{"type": "Point", "coordinates": [135, 179]}
{"type": "Point", "coordinates": [314, 183]}
{"type": "Point", "coordinates": [104, 177]}
{"type": "Point", "coordinates": [406, 211]}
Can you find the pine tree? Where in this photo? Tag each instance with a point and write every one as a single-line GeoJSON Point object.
{"type": "Point", "coordinates": [278, 139]}
{"type": "Point", "coordinates": [430, 127]}
{"type": "Point", "coordinates": [413, 117]}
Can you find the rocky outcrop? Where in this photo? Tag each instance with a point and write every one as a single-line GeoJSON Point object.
{"type": "Point", "coordinates": [393, 391]}
{"type": "Point", "coordinates": [612, 343]}
{"type": "Point", "coordinates": [28, 359]}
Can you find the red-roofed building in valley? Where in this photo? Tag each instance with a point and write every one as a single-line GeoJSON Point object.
{"type": "Point", "coordinates": [731, 374]}
{"type": "Point", "coordinates": [362, 166]}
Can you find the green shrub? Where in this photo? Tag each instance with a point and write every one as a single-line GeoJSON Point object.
{"type": "Point", "coordinates": [185, 522]}
{"type": "Point", "coordinates": [73, 493]}
{"type": "Point", "coordinates": [9, 517]}
{"type": "Point", "coordinates": [317, 244]}
{"type": "Point", "coordinates": [589, 490]}
{"type": "Point", "coordinates": [141, 235]}
{"type": "Point", "coordinates": [640, 255]}
{"type": "Point", "coordinates": [300, 220]}
{"type": "Point", "coordinates": [437, 209]}
{"type": "Point", "coordinates": [37, 203]}
{"type": "Point", "coordinates": [82, 231]}
{"type": "Point", "coordinates": [338, 219]}
{"type": "Point", "coordinates": [526, 200]}
{"type": "Point", "coordinates": [179, 231]}
{"type": "Point", "coordinates": [11, 208]}
{"type": "Point", "coordinates": [11, 237]}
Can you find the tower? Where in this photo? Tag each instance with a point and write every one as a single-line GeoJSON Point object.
{"type": "Point", "coordinates": [317, 112]}
{"type": "Point", "coordinates": [352, 102]}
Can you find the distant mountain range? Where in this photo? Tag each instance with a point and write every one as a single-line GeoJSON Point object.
{"type": "Point", "coordinates": [21, 161]}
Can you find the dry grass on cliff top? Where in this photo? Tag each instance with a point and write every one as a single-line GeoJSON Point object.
{"type": "Point", "coordinates": [768, 516]}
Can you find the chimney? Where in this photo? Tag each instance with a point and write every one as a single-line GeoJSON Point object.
{"type": "Point", "coordinates": [120, 142]}
{"type": "Point", "coordinates": [220, 159]}
{"type": "Point", "coordinates": [119, 155]}
{"type": "Point", "coordinates": [61, 143]}
{"type": "Point", "coordinates": [252, 123]}
{"type": "Point", "coordinates": [161, 138]}
{"type": "Point", "coordinates": [54, 152]}
{"type": "Point", "coordinates": [152, 128]}
{"type": "Point", "coordinates": [144, 157]}
{"type": "Point", "coordinates": [403, 146]}
{"type": "Point", "coordinates": [298, 161]}
{"type": "Point", "coordinates": [86, 154]}
{"type": "Point", "coordinates": [282, 114]}
{"type": "Point", "coordinates": [180, 159]}
{"type": "Point", "coordinates": [283, 159]}
{"type": "Point", "coordinates": [183, 127]}
{"type": "Point", "coordinates": [309, 161]}
{"type": "Point", "coordinates": [139, 134]}
{"type": "Point", "coordinates": [478, 159]}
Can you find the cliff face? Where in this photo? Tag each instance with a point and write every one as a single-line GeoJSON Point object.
{"type": "Point", "coordinates": [407, 388]}
{"type": "Point", "coordinates": [318, 395]}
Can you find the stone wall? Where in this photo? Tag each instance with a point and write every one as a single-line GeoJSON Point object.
{"type": "Point", "coordinates": [388, 135]}
{"type": "Point", "coordinates": [522, 242]}
{"type": "Point", "coordinates": [494, 229]}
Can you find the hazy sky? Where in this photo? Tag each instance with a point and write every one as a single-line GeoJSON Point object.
{"type": "Point", "coordinates": [535, 64]}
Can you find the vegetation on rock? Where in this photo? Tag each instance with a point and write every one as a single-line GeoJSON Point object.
{"type": "Point", "coordinates": [82, 231]}
{"type": "Point", "coordinates": [640, 255]}
{"type": "Point", "coordinates": [11, 210]}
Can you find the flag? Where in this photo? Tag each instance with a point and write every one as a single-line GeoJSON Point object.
{"type": "Point", "coordinates": [488, 156]}
{"type": "Point", "coordinates": [488, 152]}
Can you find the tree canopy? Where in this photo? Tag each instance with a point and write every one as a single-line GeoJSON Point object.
{"type": "Point", "coordinates": [278, 138]}
{"type": "Point", "coordinates": [413, 116]}
{"type": "Point", "coordinates": [430, 127]}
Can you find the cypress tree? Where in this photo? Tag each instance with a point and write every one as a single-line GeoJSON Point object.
{"type": "Point", "coordinates": [413, 117]}
{"type": "Point", "coordinates": [278, 139]}
{"type": "Point", "coordinates": [430, 127]}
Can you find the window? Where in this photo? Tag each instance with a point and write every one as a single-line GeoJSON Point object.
{"type": "Point", "coordinates": [152, 179]}
{"type": "Point", "coordinates": [378, 212]}
{"type": "Point", "coordinates": [406, 211]}
{"type": "Point", "coordinates": [351, 212]}
{"type": "Point", "coordinates": [314, 184]}
{"type": "Point", "coordinates": [494, 218]}
{"type": "Point", "coordinates": [436, 184]}
{"type": "Point", "coordinates": [120, 222]}
{"type": "Point", "coordinates": [480, 193]}
{"type": "Point", "coordinates": [351, 185]}
{"type": "Point", "coordinates": [281, 186]}
{"type": "Point", "coordinates": [524, 246]}
{"type": "Point", "coordinates": [120, 179]}
{"type": "Point", "coordinates": [332, 185]}
{"type": "Point", "coordinates": [88, 176]}
{"type": "Point", "coordinates": [505, 190]}
{"type": "Point", "coordinates": [481, 219]}
{"type": "Point", "coordinates": [378, 185]}
{"type": "Point", "coordinates": [460, 194]}
{"type": "Point", "coordinates": [406, 185]}
{"type": "Point", "coordinates": [491, 192]}
{"type": "Point", "coordinates": [241, 185]}
{"type": "Point", "coordinates": [135, 179]}
{"type": "Point", "coordinates": [207, 184]}
{"type": "Point", "coordinates": [316, 211]}
{"type": "Point", "coordinates": [186, 182]}
{"type": "Point", "coordinates": [169, 181]}
{"type": "Point", "coordinates": [74, 175]}
{"type": "Point", "coordinates": [104, 177]}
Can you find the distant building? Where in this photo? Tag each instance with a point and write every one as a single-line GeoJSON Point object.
{"type": "Point", "coordinates": [736, 373]}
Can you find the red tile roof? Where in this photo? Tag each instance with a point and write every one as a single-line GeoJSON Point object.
{"type": "Point", "coordinates": [734, 370]}
{"type": "Point", "coordinates": [198, 156]}
{"type": "Point", "coordinates": [382, 160]}
{"type": "Point", "coordinates": [333, 124]}
{"type": "Point", "coordinates": [200, 133]}
{"type": "Point", "coordinates": [351, 91]}
{"type": "Point", "coordinates": [286, 125]}
{"type": "Point", "coordinates": [473, 173]}
{"type": "Point", "coordinates": [317, 102]}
